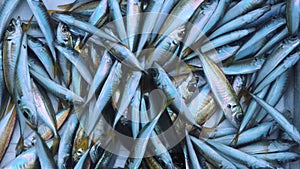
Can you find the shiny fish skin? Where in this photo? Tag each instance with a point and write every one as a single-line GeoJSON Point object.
{"type": "Point", "coordinates": [11, 50]}
{"type": "Point", "coordinates": [69, 20]}
{"type": "Point", "coordinates": [133, 20]}
{"type": "Point", "coordinates": [5, 13]}
{"type": "Point", "coordinates": [109, 86]}
{"type": "Point", "coordinates": [292, 15]}
{"type": "Point", "coordinates": [7, 124]}
{"type": "Point", "coordinates": [26, 160]}
{"type": "Point", "coordinates": [279, 157]}
{"type": "Point", "coordinates": [245, 66]}
{"type": "Point", "coordinates": [44, 55]}
{"type": "Point", "coordinates": [248, 136]}
{"type": "Point", "coordinates": [276, 92]}
{"type": "Point", "coordinates": [44, 109]}
{"type": "Point", "coordinates": [211, 155]}
{"type": "Point", "coordinates": [123, 55]}
{"type": "Point", "coordinates": [116, 15]}
{"type": "Point", "coordinates": [163, 82]}
{"type": "Point", "coordinates": [77, 60]}
{"type": "Point", "coordinates": [281, 51]}
{"type": "Point", "coordinates": [198, 21]}
{"type": "Point", "coordinates": [151, 16]}
{"type": "Point", "coordinates": [260, 34]}
{"type": "Point", "coordinates": [43, 18]}
{"type": "Point", "coordinates": [246, 159]}
{"type": "Point", "coordinates": [202, 106]}
{"type": "Point", "coordinates": [240, 8]}
{"type": "Point", "coordinates": [132, 82]}
{"type": "Point", "coordinates": [97, 18]}
{"type": "Point", "coordinates": [280, 119]}
{"type": "Point", "coordinates": [46, 132]}
{"type": "Point", "coordinates": [100, 75]}
{"type": "Point", "coordinates": [64, 37]}
{"type": "Point", "coordinates": [266, 147]}
{"type": "Point", "coordinates": [23, 94]}
{"type": "Point", "coordinates": [191, 152]}
{"type": "Point", "coordinates": [65, 146]}
{"type": "Point", "coordinates": [239, 22]}
{"type": "Point", "coordinates": [226, 39]}
{"type": "Point", "coordinates": [4, 96]}
{"type": "Point", "coordinates": [222, 91]}
{"type": "Point", "coordinates": [178, 16]}
{"type": "Point", "coordinates": [287, 63]}
{"type": "Point", "coordinates": [216, 16]}
{"type": "Point", "coordinates": [43, 153]}
{"type": "Point", "coordinates": [271, 43]}
{"type": "Point", "coordinates": [251, 110]}
{"type": "Point", "coordinates": [57, 89]}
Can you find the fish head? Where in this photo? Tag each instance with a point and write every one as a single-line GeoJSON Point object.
{"type": "Point", "coordinates": [177, 35]}
{"type": "Point", "coordinates": [237, 113]}
{"type": "Point", "coordinates": [14, 29]}
{"type": "Point", "coordinates": [63, 33]}
{"type": "Point", "coordinates": [155, 75]}
{"type": "Point", "coordinates": [28, 110]}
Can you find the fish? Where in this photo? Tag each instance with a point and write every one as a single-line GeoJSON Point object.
{"type": "Point", "coordinates": [269, 146]}
{"type": "Point", "coordinates": [179, 15]}
{"type": "Point", "coordinates": [248, 136]}
{"type": "Point", "coordinates": [210, 154]}
{"type": "Point", "coordinates": [70, 20]}
{"type": "Point", "coordinates": [44, 108]}
{"type": "Point", "coordinates": [11, 50]}
{"type": "Point", "coordinates": [239, 22]}
{"type": "Point", "coordinates": [163, 82]}
{"type": "Point", "coordinates": [23, 94]}
{"type": "Point", "coordinates": [40, 13]}
{"type": "Point", "coordinates": [65, 146]}
{"type": "Point", "coordinates": [132, 82]}
{"type": "Point", "coordinates": [77, 60]}
{"type": "Point", "coordinates": [7, 124]}
{"type": "Point", "coordinates": [43, 54]}
{"type": "Point", "coordinates": [64, 37]}
{"type": "Point", "coordinates": [292, 15]}
{"type": "Point", "coordinates": [238, 9]}
{"type": "Point", "coordinates": [260, 34]}
{"type": "Point", "coordinates": [97, 18]}
{"type": "Point", "coordinates": [244, 158]}
{"type": "Point", "coordinates": [222, 90]}
{"type": "Point", "coordinates": [57, 89]}
{"type": "Point", "coordinates": [101, 74]}
{"type": "Point", "coordinates": [43, 153]}
{"type": "Point", "coordinates": [6, 13]}
{"type": "Point", "coordinates": [280, 119]}
{"type": "Point", "coordinates": [225, 39]}
{"type": "Point", "coordinates": [109, 87]}
{"type": "Point", "coordinates": [150, 17]}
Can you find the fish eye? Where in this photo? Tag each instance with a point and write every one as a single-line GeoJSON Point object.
{"type": "Point", "coordinates": [79, 152]}
{"type": "Point", "coordinates": [26, 114]}
{"type": "Point", "coordinates": [19, 101]}
{"type": "Point", "coordinates": [153, 73]}
{"type": "Point", "coordinates": [181, 34]}
{"type": "Point", "coordinates": [175, 42]}
{"type": "Point", "coordinates": [239, 116]}
{"type": "Point", "coordinates": [64, 28]}
{"type": "Point", "coordinates": [191, 88]}
{"type": "Point", "coordinates": [11, 28]}
{"type": "Point", "coordinates": [229, 106]}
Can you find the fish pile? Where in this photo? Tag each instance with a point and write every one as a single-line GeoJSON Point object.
{"type": "Point", "coordinates": [149, 84]}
